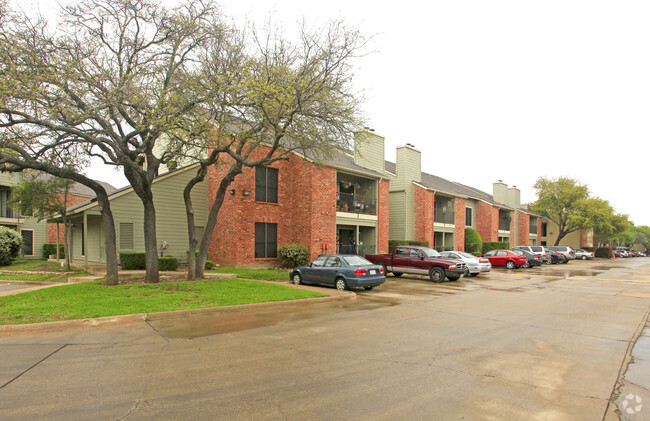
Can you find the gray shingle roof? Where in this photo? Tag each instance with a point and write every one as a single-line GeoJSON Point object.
{"type": "Point", "coordinates": [442, 185]}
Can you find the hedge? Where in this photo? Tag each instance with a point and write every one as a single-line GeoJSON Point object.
{"type": "Point", "coordinates": [50, 249]}
{"type": "Point", "coordinates": [473, 242]}
{"type": "Point", "coordinates": [136, 261]}
{"type": "Point", "coordinates": [293, 255]}
{"type": "Point", "coordinates": [132, 261]}
{"type": "Point", "coordinates": [167, 263]}
{"type": "Point", "coordinates": [493, 246]}
{"type": "Point", "coordinates": [394, 243]}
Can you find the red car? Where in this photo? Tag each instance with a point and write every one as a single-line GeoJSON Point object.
{"type": "Point", "coordinates": [506, 258]}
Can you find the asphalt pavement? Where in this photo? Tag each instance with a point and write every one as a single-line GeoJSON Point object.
{"type": "Point", "coordinates": [553, 343]}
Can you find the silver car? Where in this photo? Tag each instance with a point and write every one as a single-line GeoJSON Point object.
{"type": "Point", "coordinates": [584, 254]}
{"type": "Point", "coordinates": [475, 265]}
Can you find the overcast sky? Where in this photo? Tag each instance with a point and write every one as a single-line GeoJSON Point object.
{"type": "Point", "coordinates": [509, 90]}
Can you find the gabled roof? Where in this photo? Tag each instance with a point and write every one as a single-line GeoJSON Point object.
{"type": "Point", "coordinates": [345, 161]}
{"type": "Point", "coordinates": [439, 184]}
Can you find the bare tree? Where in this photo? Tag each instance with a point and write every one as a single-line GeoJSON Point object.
{"type": "Point", "coordinates": [118, 76]}
{"type": "Point", "coordinates": [272, 98]}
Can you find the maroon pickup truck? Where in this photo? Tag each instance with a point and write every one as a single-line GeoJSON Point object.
{"type": "Point", "coordinates": [420, 261]}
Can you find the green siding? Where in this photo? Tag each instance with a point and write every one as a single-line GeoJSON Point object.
{"type": "Point", "coordinates": [171, 221]}
{"type": "Point", "coordinates": [397, 230]}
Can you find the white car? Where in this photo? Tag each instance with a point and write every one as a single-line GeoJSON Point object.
{"type": "Point", "coordinates": [584, 254]}
{"type": "Point", "coordinates": [475, 265]}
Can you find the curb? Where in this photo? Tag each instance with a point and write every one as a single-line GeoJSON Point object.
{"type": "Point", "coordinates": [334, 295]}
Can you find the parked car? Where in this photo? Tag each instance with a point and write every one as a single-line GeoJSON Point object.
{"type": "Point", "coordinates": [555, 257]}
{"type": "Point", "coordinates": [506, 258]}
{"type": "Point", "coordinates": [567, 251]}
{"type": "Point", "coordinates": [420, 261]}
{"type": "Point", "coordinates": [538, 250]}
{"type": "Point", "coordinates": [584, 254]}
{"type": "Point", "coordinates": [341, 271]}
{"type": "Point", "coordinates": [475, 265]}
{"type": "Point", "coordinates": [621, 253]}
{"type": "Point", "coordinates": [533, 259]}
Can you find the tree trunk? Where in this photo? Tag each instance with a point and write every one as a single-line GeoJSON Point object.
{"type": "Point", "coordinates": [150, 241]}
{"type": "Point", "coordinates": [234, 170]}
{"type": "Point", "coordinates": [191, 227]}
{"type": "Point", "coordinates": [110, 242]}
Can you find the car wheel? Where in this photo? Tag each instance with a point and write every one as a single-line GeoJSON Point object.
{"type": "Point", "coordinates": [368, 287]}
{"type": "Point", "coordinates": [453, 278]}
{"type": "Point", "coordinates": [473, 274]}
{"type": "Point", "coordinates": [437, 274]}
{"type": "Point", "coordinates": [341, 285]}
{"type": "Point", "coordinates": [584, 257]}
{"type": "Point", "coordinates": [397, 274]}
{"type": "Point", "coordinates": [510, 264]}
{"type": "Point", "coordinates": [296, 278]}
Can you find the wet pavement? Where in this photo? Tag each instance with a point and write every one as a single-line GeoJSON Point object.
{"type": "Point", "coordinates": [541, 343]}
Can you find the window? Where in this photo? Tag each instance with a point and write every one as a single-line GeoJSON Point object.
{"type": "Point", "coordinates": [543, 229]}
{"type": "Point", "coordinates": [468, 217]}
{"type": "Point", "coordinates": [5, 210]}
{"type": "Point", "coordinates": [266, 184]}
{"type": "Point", "coordinates": [416, 253]}
{"type": "Point", "coordinates": [126, 236]}
{"type": "Point", "coordinates": [403, 252]}
{"type": "Point", "coordinates": [319, 262]}
{"type": "Point", "coordinates": [266, 240]}
{"type": "Point", "coordinates": [28, 242]}
{"type": "Point", "coordinates": [334, 262]}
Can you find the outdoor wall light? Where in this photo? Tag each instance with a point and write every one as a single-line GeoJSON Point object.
{"type": "Point", "coordinates": [231, 191]}
{"type": "Point", "coordinates": [247, 192]}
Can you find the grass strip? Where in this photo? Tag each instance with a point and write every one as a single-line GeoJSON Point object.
{"type": "Point", "coordinates": [274, 275]}
{"type": "Point", "coordinates": [92, 299]}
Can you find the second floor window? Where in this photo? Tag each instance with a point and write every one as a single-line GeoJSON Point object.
{"type": "Point", "coordinates": [266, 184]}
{"type": "Point", "coordinates": [468, 217]}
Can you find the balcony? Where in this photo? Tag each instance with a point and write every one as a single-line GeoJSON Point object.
{"type": "Point", "coordinates": [356, 203]}
{"type": "Point", "coordinates": [356, 194]}
{"type": "Point", "coordinates": [444, 211]}
{"type": "Point", "coordinates": [504, 220]}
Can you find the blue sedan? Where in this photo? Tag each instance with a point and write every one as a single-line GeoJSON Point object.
{"type": "Point", "coordinates": [342, 271]}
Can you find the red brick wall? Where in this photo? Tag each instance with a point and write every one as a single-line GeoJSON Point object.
{"type": "Point", "coordinates": [487, 222]}
{"type": "Point", "coordinates": [459, 234]}
{"type": "Point", "coordinates": [72, 200]}
{"type": "Point", "coordinates": [383, 216]}
{"type": "Point", "coordinates": [305, 212]}
{"type": "Point", "coordinates": [424, 214]}
{"type": "Point", "coordinates": [524, 229]}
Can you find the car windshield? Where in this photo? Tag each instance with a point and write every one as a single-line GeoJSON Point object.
{"type": "Point", "coordinates": [469, 256]}
{"type": "Point", "coordinates": [430, 252]}
{"type": "Point", "coordinates": [517, 252]}
{"type": "Point", "coordinates": [356, 261]}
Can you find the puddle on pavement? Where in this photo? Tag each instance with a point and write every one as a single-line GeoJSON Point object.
{"type": "Point", "coordinates": [392, 293]}
{"type": "Point", "coordinates": [208, 324]}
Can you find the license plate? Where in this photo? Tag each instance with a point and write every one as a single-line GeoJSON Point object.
{"type": "Point", "coordinates": [373, 271]}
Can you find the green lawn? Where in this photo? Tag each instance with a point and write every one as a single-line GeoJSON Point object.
{"type": "Point", "coordinates": [92, 299]}
{"type": "Point", "coordinates": [37, 266]}
{"type": "Point", "coordinates": [42, 277]}
{"type": "Point", "coordinates": [276, 275]}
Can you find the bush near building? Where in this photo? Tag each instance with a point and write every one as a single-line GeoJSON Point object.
{"type": "Point", "coordinates": [11, 242]}
{"type": "Point", "coordinates": [293, 255]}
{"type": "Point", "coordinates": [494, 246]}
{"type": "Point", "coordinates": [473, 242]}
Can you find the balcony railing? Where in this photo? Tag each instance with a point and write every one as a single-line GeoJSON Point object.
{"type": "Point", "coordinates": [444, 217]}
{"type": "Point", "coordinates": [355, 203]}
{"type": "Point", "coordinates": [358, 250]}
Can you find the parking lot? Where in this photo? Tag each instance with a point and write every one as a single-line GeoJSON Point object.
{"type": "Point", "coordinates": [544, 343]}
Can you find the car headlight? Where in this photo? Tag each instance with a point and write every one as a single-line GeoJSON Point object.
{"type": "Point", "coordinates": [452, 267]}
